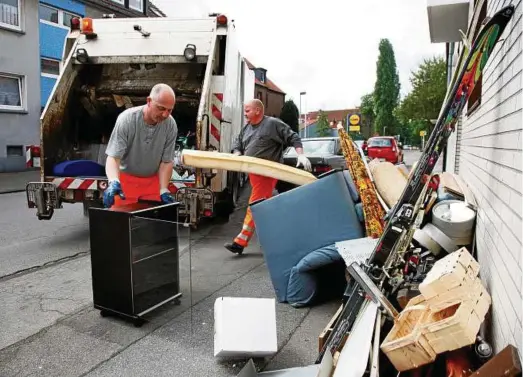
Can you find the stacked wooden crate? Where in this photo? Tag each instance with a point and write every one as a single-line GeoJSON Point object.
{"type": "Point", "coordinates": [446, 316]}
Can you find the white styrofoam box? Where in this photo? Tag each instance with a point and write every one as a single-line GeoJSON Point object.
{"type": "Point", "coordinates": [245, 326]}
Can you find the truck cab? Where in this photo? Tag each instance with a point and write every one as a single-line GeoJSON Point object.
{"type": "Point", "coordinates": [110, 65]}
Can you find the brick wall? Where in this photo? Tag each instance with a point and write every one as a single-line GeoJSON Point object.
{"type": "Point", "coordinates": [272, 101]}
{"type": "Point", "coordinates": [489, 158]}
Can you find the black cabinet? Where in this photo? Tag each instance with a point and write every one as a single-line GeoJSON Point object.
{"type": "Point", "coordinates": [134, 258]}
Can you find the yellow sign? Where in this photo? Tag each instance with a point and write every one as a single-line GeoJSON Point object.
{"type": "Point", "coordinates": [354, 128]}
{"type": "Point", "coordinates": [354, 119]}
{"type": "Point", "coordinates": [422, 133]}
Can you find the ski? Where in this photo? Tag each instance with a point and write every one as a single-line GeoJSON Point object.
{"type": "Point", "coordinates": [385, 260]}
{"type": "Point", "coordinates": [464, 84]}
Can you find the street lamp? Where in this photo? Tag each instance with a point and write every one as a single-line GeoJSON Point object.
{"type": "Point", "coordinates": [304, 129]}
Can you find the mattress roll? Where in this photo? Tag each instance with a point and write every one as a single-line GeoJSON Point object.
{"type": "Point", "coordinates": [389, 181]}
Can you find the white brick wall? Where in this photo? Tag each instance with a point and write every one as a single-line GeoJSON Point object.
{"type": "Point", "coordinates": [490, 161]}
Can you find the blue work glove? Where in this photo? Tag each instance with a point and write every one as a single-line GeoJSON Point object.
{"type": "Point", "coordinates": [166, 196]}
{"type": "Point", "coordinates": [113, 188]}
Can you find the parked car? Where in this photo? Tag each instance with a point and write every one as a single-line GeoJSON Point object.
{"type": "Point", "coordinates": [324, 153]}
{"type": "Point", "coordinates": [384, 148]}
{"type": "Point", "coordinates": [362, 144]}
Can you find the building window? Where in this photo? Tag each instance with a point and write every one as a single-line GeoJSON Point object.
{"type": "Point", "coordinates": [14, 150]}
{"type": "Point", "coordinates": [136, 5]}
{"type": "Point", "coordinates": [260, 75]}
{"type": "Point", "coordinates": [50, 67]}
{"type": "Point", "coordinates": [55, 16]}
{"type": "Point", "coordinates": [67, 17]}
{"type": "Point", "coordinates": [48, 14]}
{"type": "Point", "coordinates": [11, 92]}
{"type": "Point", "coordinates": [10, 12]}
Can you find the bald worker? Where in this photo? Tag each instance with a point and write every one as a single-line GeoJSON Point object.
{"type": "Point", "coordinates": [262, 137]}
{"type": "Point", "coordinates": [140, 153]}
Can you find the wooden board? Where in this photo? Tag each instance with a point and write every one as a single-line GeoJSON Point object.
{"type": "Point", "coordinates": [504, 364]}
{"type": "Point", "coordinates": [246, 164]}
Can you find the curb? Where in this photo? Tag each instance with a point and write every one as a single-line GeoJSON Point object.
{"type": "Point", "coordinates": [12, 191]}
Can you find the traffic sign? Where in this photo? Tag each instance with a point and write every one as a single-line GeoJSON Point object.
{"type": "Point", "coordinates": [354, 119]}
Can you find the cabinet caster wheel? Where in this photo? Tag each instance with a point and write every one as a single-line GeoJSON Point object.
{"type": "Point", "coordinates": [138, 322]}
{"type": "Point", "coordinates": [104, 313]}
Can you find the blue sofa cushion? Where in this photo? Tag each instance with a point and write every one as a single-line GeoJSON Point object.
{"type": "Point", "coordinates": [359, 212]}
{"type": "Point", "coordinates": [352, 186]}
{"type": "Point", "coordinates": [302, 287]}
{"type": "Point", "coordinates": [293, 224]}
{"type": "Point", "coordinates": [79, 168]}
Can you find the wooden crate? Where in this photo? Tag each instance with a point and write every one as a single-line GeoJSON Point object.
{"type": "Point", "coordinates": [453, 273]}
{"type": "Point", "coordinates": [405, 345]}
{"type": "Point", "coordinates": [469, 290]}
{"type": "Point", "coordinates": [454, 325]}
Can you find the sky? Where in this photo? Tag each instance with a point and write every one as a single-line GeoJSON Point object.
{"type": "Point", "coordinates": [329, 48]}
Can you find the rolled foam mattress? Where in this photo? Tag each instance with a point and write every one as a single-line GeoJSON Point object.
{"type": "Point", "coordinates": [245, 164]}
{"type": "Point", "coordinates": [389, 181]}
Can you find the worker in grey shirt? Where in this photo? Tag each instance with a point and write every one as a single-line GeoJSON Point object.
{"type": "Point", "coordinates": [140, 153]}
{"type": "Point", "coordinates": [263, 137]}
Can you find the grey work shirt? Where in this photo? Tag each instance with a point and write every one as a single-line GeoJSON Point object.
{"type": "Point", "coordinates": [139, 146]}
{"type": "Point", "coordinates": [268, 139]}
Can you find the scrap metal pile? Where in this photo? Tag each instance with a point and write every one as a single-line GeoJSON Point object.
{"type": "Point", "coordinates": [421, 274]}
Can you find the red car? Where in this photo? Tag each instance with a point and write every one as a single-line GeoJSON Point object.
{"type": "Point", "coordinates": [384, 148]}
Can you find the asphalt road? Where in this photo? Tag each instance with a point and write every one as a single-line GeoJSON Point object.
{"type": "Point", "coordinates": [27, 242]}
{"type": "Point", "coordinates": [50, 328]}
{"type": "Point", "coordinates": [411, 156]}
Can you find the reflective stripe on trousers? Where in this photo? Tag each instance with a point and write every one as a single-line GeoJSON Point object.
{"type": "Point", "coordinates": [262, 188]}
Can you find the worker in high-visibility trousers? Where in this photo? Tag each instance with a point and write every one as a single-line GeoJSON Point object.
{"type": "Point", "coordinates": [140, 152]}
{"type": "Point", "coordinates": [262, 137]}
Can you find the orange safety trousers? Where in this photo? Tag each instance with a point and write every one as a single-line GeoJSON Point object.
{"type": "Point", "coordinates": [134, 188]}
{"type": "Point", "coordinates": [262, 188]}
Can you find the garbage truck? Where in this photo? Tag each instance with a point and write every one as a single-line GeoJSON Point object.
{"type": "Point", "coordinates": [111, 64]}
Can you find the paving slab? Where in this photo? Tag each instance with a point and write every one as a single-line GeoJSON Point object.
{"type": "Point", "coordinates": [185, 345]}
{"type": "Point", "coordinates": [35, 301]}
{"type": "Point", "coordinates": [177, 340]}
{"type": "Point", "coordinates": [59, 351]}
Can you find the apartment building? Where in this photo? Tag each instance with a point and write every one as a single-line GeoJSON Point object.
{"type": "Point", "coordinates": [55, 19]}
{"type": "Point", "coordinates": [19, 82]}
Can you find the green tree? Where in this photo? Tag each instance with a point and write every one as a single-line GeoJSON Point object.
{"type": "Point", "coordinates": [423, 103]}
{"type": "Point", "coordinates": [386, 89]}
{"type": "Point", "coordinates": [367, 114]}
{"type": "Point", "coordinates": [323, 127]}
{"type": "Point", "coordinates": [291, 115]}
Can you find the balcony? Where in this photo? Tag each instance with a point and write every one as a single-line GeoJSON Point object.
{"type": "Point", "coordinates": [446, 18]}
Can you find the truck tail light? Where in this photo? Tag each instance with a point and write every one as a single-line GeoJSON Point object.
{"type": "Point", "coordinates": [222, 20]}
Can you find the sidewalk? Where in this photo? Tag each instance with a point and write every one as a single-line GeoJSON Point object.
{"type": "Point", "coordinates": [16, 182]}
{"type": "Point", "coordinates": [50, 328]}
